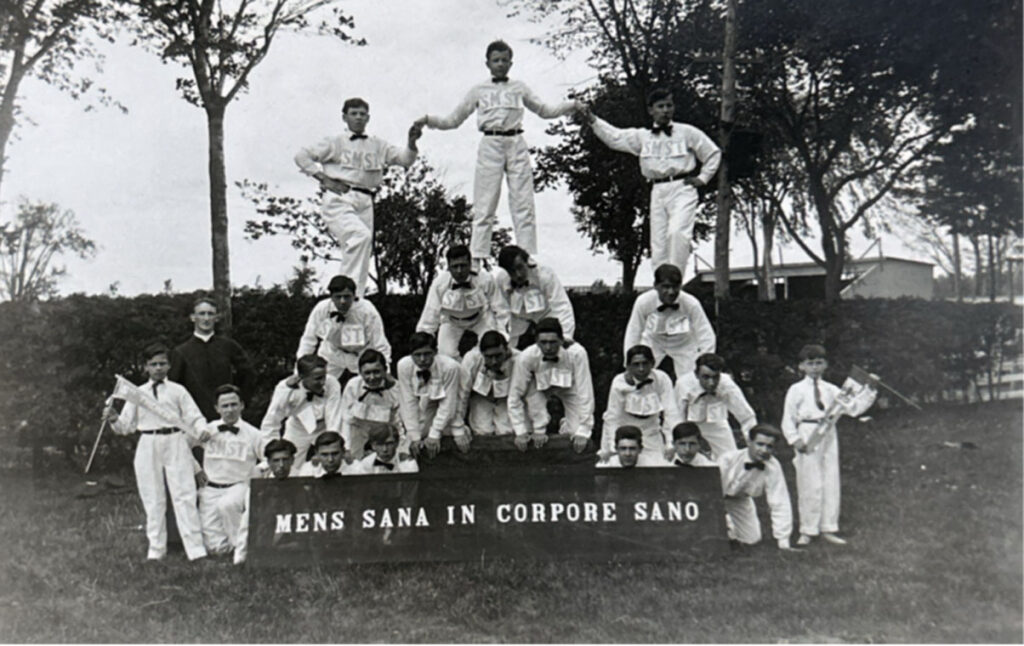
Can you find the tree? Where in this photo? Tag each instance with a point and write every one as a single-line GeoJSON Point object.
{"type": "Point", "coordinates": [28, 247]}
{"type": "Point", "coordinates": [45, 39]}
{"type": "Point", "coordinates": [221, 47]}
{"type": "Point", "coordinates": [415, 221]}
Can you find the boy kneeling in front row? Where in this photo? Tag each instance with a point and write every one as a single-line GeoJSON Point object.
{"type": "Point", "coordinates": [686, 443]}
{"type": "Point", "coordinates": [384, 456]}
{"type": "Point", "coordinates": [629, 445]}
{"type": "Point", "coordinates": [330, 451]}
{"type": "Point", "coordinates": [749, 473]}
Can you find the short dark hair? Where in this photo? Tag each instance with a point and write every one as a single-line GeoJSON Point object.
{"type": "Point", "coordinates": [153, 349]}
{"type": "Point", "coordinates": [668, 273]}
{"type": "Point", "coordinates": [381, 433]}
{"type": "Point", "coordinates": [508, 254]}
{"type": "Point", "coordinates": [710, 360]}
{"type": "Point", "coordinates": [549, 324]}
{"type": "Point", "coordinates": [354, 102]}
{"type": "Point", "coordinates": [685, 429]}
{"type": "Point", "coordinates": [498, 46]}
{"type": "Point", "coordinates": [629, 433]}
{"type": "Point", "coordinates": [278, 444]}
{"type": "Point", "coordinates": [209, 300]}
{"type": "Point", "coordinates": [492, 339]}
{"type": "Point", "coordinates": [812, 351]}
{"type": "Point", "coordinates": [658, 94]}
{"type": "Point", "coordinates": [640, 349]}
{"type": "Point", "coordinates": [419, 340]}
{"type": "Point", "coordinates": [458, 251]}
{"type": "Point", "coordinates": [764, 428]}
{"type": "Point", "coordinates": [340, 284]}
{"type": "Point", "coordinates": [370, 355]}
{"type": "Point", "coordinates": [327, 438]}
{"type": "Point", "coordinates": [307, 363]}
{"type": "Point", "coordinates": [227, 389]}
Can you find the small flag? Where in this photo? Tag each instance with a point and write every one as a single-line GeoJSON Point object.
{"type": "Point", "coordinates": [856, 396]}
{"type": "Point", "coordinates": [129, 392]}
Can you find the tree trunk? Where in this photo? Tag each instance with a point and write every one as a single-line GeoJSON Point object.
{"type": "Point", "coordinates": [628, 275]}
{"type": "Point", "coordinates": [979, 273]}
{"type": "Point", "coordinates": [219, 213]}
{"type": "Point", "coordinates": [768, 229]}
{"type": "Point", "coordinates": [7, 123]}
{"type": "Point", "coordinates": [957, 269]}
{"type": "Point", "coordinates": [724, 217]}
{"type": "Point", "coordinates": [991, 271]}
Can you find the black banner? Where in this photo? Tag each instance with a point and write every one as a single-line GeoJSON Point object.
{"type": "Point", "coordinates": [543, 512]}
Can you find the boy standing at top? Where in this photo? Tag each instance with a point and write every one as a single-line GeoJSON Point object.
{"type": "Point", "coordinates": [817, 469]}
{"type": "Point", "coordinates": [350, 167]}
{"type": "Point", "coordinates": [162, 454]}
{"type": "Point", "coordinates": [499, 107]}
{"type": "Point", "coordinates": [676, 158]}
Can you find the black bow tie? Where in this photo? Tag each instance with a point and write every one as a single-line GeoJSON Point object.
{"type": "Point", "coordinates": [499, 79]}
{"type": "Point", "coordinates": [666, 129]}
{"type": "Point", "coordinates": [552, 359]}
{"type": "Point", "coordinates": [367, 390]}
{"type": "Point", "coordinates": [518, 284]}
{"type": "Point", "coordinates": [644, 382]}
{"type": "Point", "coordinates": [668, 306]}
{"type": "Point", "coordinates": [463, 285]}
{"type": "Point", "coordinates": [231, 428]}
{"type": "Point", "coordinates": [387, 465]}
{"type": "Point", "coordinates": [310, 395]}
{"type": "Point", "coordinates": [707, 393]}
{"type": "Point", "coordinates": [423, 374]}
{"type": "Point", "coordinates": [680, 463]}
{"type": "Point", "coordinates": [332, 474]}
{"type": "Point", "coordinates": [496, 374]}
{"type": "Point", "coordinates": [753, 465]}
{"type": "Point", "coordinates": [356, 136]}
{"type": "Point", "coordinates": [339, 316]}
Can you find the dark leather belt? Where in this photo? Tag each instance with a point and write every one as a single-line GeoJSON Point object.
{"type": "Point", "coordinates": [503, 133]}
{"type": "Point", "coordinates": [693, 173]}
{"type": "Point", "coordinates": [360, 189]}
{"type": "Point", "coordinates": [217, 485]}
{"type": "Point", "coordinates": [465, 319]}
{"type": "Point", "coordinates": [160, 431]}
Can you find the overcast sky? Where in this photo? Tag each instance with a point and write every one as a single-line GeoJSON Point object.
{"type": "Point", "coordinates": [138, 181]}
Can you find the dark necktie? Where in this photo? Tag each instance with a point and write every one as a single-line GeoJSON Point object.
{"type": "Point", "coordinates": [387, 465]}
{"type": "Point", "coordinates": [367, 390]}
{"type": "Point", "coordinates": [643, 382]}
{"type": "Point", "coordinates": [817, 396]}
{"type": "Point", "coordinates": [463, 285]}
{"type": "Point", "coordinates": [424, 375]}
{"type": "Point", "coordinates": [339, 316]}
{"type": "Point", "coordinates": [356, 136]}
{"type": "Point", "coordinates": [231, 428]}
{"type": "Point", "coordinates": [706, 393]}
{"type": "Point", "coordinates": [553, 359]}
{"type": "Point", "coordinates": [666, 130]}
{"type": "Point", "coordinates": [747, 466]}
{"type": "Point", "coordinates": [310, 395]}
{"type": "Point", "coordinates": [499, 79]}
{"type": "Point", "coordinates": [519, 284]}
{"type": "Point", "coordinates": [155, 384]}
{"type": "Point", "coordinates": [668, 306]}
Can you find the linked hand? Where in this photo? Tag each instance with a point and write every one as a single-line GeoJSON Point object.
{"type": "Point", "coordinates": [414, 448]}
{"type": "Point", "coordinates": [669, 453]}
{"type": "Point", "coordinates": [522, 441]}
{"type": "Point", "coordinates": [432, 445]}
{"type": "Point", "coordinates": [201, 480]}
{"type": "Point", "coordinates": [579, 443]}
{"type": "Point", "coordinates": [539, 439]}
{"type": "Point", "coordinates": [415, 132]}
{"type": "Point", "coordinates": [463, 441]}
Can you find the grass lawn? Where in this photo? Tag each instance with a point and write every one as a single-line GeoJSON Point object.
{"type": "Point", "coordinates": [935, 555]}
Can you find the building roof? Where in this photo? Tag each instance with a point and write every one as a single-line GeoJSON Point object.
{"type": "Point", "coordinates": [803, 268]}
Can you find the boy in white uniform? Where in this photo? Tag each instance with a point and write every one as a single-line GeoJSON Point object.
{"type": "Point", "coordinates": [817, 469]}
{"type": "Point", "coordinates": [629, 451]}
{"type": "Point", "coordinates": [230, 456]}
{"type": "Point", "coordinates": [369, 399]}
{"type": "Point", "coordinates": [306, 404]}
{"type": "Point", "coordinates": [499, 107]}
{"type": "Point", "coordinates": [163, 455]}
{"type": "Point", "coordinates": [707, 396]}
{"type": "Point", "coordinates": [533, 292]}
{"type": "Point", "coordinates": [384, 457]}
{"type": "Point", "coordinates": [343, 326]}
{"type": "Point", "coordinates": [485, 376]}
{"type": "Point", "coordinates": [686, 443]}
{"type": "Point", "coordinates": [330, 458]}
{"type": "Point", "coordinates": [671, 322]}
{"type": "Point", "coordinates": [551, 367]}
{"type": "Point", "coordinates": [280, 456]}
{"type": "Point", "coordinates": [676, 158]}
{"type": "Point", "coordinates": [641, 397]}
{"type": "Point", "coordinates": [461, 300]}
{"type": "Point", "coordinates": [350, 167]}
{"type": "Point", "coordinates": [428, 389]}
{"type": "Point", "coordinates": [749, 473]}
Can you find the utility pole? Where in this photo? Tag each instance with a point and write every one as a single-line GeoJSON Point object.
{"type": "Point", "coordinates": [726, 121]}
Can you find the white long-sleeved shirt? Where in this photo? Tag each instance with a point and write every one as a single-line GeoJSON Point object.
{"type": "Point", "coordinates": [357, 162]}
{"type": "Point", "coordinates": [230, 458]}
{"type": "Point", "coordinates": [698, 405]}
{"type": "Point", "coordinates": [417, 397]}
{"type": "Point", "coordinates": [685, 330]}
{"type": "Point", "coordinates": [301, 414]}
{"type": "Point", "coordinates": [544, 296]}
{"type": "Point", "coordinates": [800, 413]}
{"type": "Point", "coordinates": [464, 308]}
{"type": "Point", "coordinates": [360, 406]}
{"type": "Point", "coordinates": [629, 405]}
{"type": "Point", "coordinates": [499, 106]}
{"type": "Point", "coordinates": [368, 465]}
{"type": "Point", "coordinates": [568, 378]}
{"type": "Point", "coordinates": [343, 340]}
{"type": "Point", "coordinates": [169, 393]}
{"type": "Point", "coordinates": [664, 155]}
{"type": "Point", "coordinates": [738, 481]}
{"type": "Point", "coordinates": [475, 378]}
{"type": "Point", "coordinates": [698, 460]}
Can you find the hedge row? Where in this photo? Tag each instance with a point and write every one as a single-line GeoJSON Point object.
{"type": "Point", "coordinates": [59, 357]}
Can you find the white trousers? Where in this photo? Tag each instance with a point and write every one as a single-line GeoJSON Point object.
{"type": "Point", "coordinates": [220, 511]}
{"type": "Point", "coordinates": [508, 156]}
{"type": "Point", "coordinates": [349, 218]}
{"type": "Point", "coordinates": [488, 417]}
{"type": "Point", "coordinates": [167, 457]}
{"type": "Point", "coordinates": [449, 335]}
{"type": "Point", "coordinates": [741, 520]}
{"type": "Point", "coordinates": [719, 437]}
{"type": "Point", "coordinates": [817, 487]}
{"type": "Point", "coordinates": [673, 213]}
{"type": "Point", "coordinates": [242, 545]}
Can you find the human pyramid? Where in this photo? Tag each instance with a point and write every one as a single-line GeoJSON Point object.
{"type": "Point", "coordinates": [343, 413]}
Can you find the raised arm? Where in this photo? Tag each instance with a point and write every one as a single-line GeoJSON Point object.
{"type": "Point", "coordinates": [547, 110]}
{"type": "Point", "coordinates": [626, 140]}
{"type": "Point", "coordinates": [457, 116]}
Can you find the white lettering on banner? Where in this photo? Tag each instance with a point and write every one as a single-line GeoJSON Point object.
{"type": "Point", "coordinates": [499, 99]}
{"type": "Point", "coordinates": [284, 524]}
{"type": "Point", "coordinates": [301, 523]}
{"type": "Point", "coordinates": [553, 512]}
{"type": "Point", "coordinates": [654, 511]}
{"type": "Point", "coordinates": [337, 520]}
{"type": "Point", "coordinates": [468, 514]}
{"type": "Point", "coordinates": [359, 160]}
{"type": "Point", "coordinates": [401, 517]}
{"type": "Point", "coordinates": [663, 148]}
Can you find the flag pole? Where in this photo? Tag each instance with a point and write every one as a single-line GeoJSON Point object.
{"type": "Point", "coordinates": [895, 392]}
{"type": "Point", "coordinates": [96, 445]}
